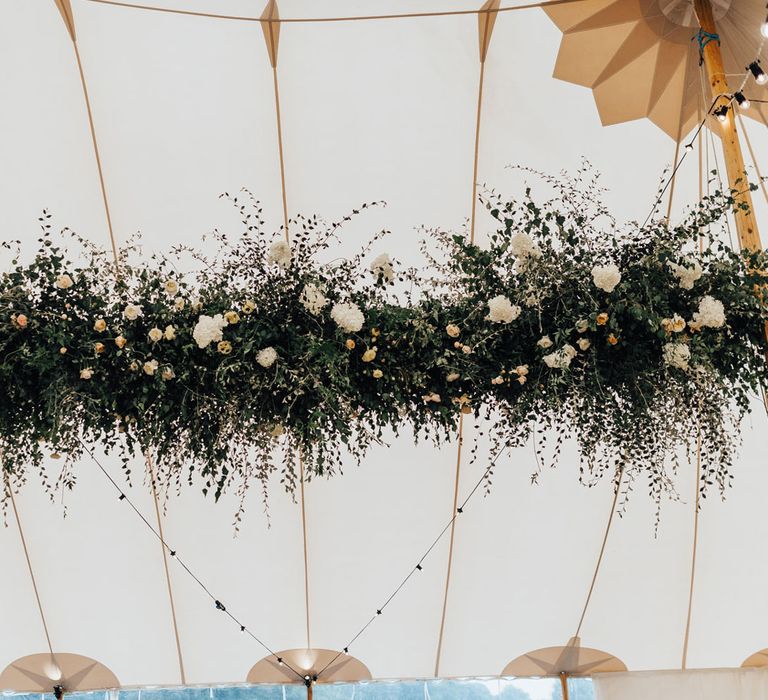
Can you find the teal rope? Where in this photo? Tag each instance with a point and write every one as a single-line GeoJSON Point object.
{"type": "Point", "coordinates": [703, 39]}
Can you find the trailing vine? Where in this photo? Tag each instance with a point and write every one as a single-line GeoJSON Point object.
{"type": "Point", "coordinates": [560, 324]}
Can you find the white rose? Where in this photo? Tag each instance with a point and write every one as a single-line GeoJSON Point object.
{"type": "Point", "coordinates": [168, 373]}
{"type": "Point", "coordinates": [560, 359]}
{"type": "Point", "coordinates": [155, 334]}
{"type": "Point", "coordinates": [582, 326]}
{"type": "Point", "coordinates": [150, 367]}
{"type": "Point", "coordinates": [501, 310]}
{"type": "Point", "coordinates": [711, 313]}
{"type": "Point", "coordinates": [348, 317]}
{"type": "Point", "coordinates": [169, 333]}
{"type": "Point", "coordinates": [544, 342]}
{"type": "Point", "coordinates": [64, 282]}
{"type": "Point", "coordinates": [208, 329]}
{"type": "Point", "coordinates": [280, 254]}
{"type": "Point", "coordinates": [583, 343]}
{"type": "Point", "coordinates": [178, 303]}
{"type": "Point", "coordinates": [382, 267]}
{"type": "Point", "coordinates": [86, 373]}
{"type": "Point", "coordinates": [677, 355]}
{"type": "Point", "coordinates": [266, 357]}
{"type": "Point", "coordinates": [687, 273]}
{"type": "Point", "coordinates": [313, 299]}
{"type": "Point", "coordinates": [606, 277]}
{"type": "Point", "coordinates": [171, 287]}
{"type": "Point", "coordinates": [132, 311]}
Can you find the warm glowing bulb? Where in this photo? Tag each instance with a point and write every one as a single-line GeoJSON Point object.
{"type": "Point", "coordinates": [53, 672]}
{"type": "Point", "coordinates": [742, 101]}
{"type": "Point", "coordinates": [764, 28]}
{"type": "Point", "coordinates": [722, 113]}
{"type": "Point", "coordinates": [757, 72]}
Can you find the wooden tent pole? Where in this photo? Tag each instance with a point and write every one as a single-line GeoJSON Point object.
{"type": "Point", "coordinates": [746, 224]}
{"type": "Point", "coordinates": [564, 684]}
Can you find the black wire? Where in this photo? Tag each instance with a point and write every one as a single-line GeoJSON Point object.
{"type": "Point", "coordinates": [174, 555]}
{"type": "Point", "coordinates": [418, 567]}
{"type": "Point", "coordinates": [660, 196]}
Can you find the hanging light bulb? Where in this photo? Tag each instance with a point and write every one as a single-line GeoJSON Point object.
{"type": "Point", "coordinates": [764, 28]}
{"type": "Point", "coordinates": [722, 113]}
{"type": "Point", "coordinates": [53, 671]}
{"type": "Point", "coordinates": [742, 101]}
{"type": "Point", "coordinates": [760, 77]}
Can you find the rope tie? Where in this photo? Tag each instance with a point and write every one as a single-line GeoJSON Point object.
{"type": "Point", "coordinates": [703, 38]}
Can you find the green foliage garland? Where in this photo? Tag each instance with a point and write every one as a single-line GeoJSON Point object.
{"type": "Point", "coordinates": [302, 357]}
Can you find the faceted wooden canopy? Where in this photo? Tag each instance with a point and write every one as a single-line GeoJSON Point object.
{"type": "Point", "coordinates": [757, 660]}
{"type": "Point", "coordinates": [40, 673]}
{"type": "Point", "coordinates": [572, 660]}
{"type": "Point", "coordinates": [331, 666]}
{"type": "Point", "coordinates": [641, 57]}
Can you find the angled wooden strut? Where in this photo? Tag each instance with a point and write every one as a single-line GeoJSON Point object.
{"type": "Point", "coordinates": [270, 26]}
{"type": "Point", "coordinates": [486, 19]}
{"type": "Point", "coordinates": [65, 9]}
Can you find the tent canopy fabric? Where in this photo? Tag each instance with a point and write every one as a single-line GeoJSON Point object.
{"type": "Point", "coordinates": [183, 109]}
{"type": "Point", "coordinates": [641, 58]}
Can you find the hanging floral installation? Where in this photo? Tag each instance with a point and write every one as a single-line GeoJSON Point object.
{"type": "Point", "coordinates": [560, 324]}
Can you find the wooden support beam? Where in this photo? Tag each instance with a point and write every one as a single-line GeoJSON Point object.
{"type": "Point", "coordinates": [746, 224]}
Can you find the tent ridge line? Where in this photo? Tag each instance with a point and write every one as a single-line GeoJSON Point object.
{"type": "Point", "coordinates": [350, 18]}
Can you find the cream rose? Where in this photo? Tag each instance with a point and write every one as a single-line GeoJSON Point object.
{"type": "Point", "coordinates": [64, 281]}
{"type": "Point", "coordinates": [132, 311]}
{"type": "Point", "coordinates": [155, 334]}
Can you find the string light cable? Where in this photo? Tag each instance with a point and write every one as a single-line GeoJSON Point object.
{"type": "Point", "coordinates": [688, 149]}
{"type": "Point", "coordinates": [721, 112]}
{"type": "Point", "coordinates": [419, 564]}
{"type": "Point", "coordinates": [175, 556]}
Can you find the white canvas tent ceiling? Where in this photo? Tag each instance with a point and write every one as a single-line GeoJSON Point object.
{"type": "Point", "coordinates": [372, 110]}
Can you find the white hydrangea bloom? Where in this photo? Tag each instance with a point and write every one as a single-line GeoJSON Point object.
{"type": "Point", "coordinates": [560, 359]}
{"type": "Point", "coordinates": [606, 277]}
{"type": "Point", "coordinates": [502, 310]}
{"type": "Point", "coordinates": [687, 273]}
{"type": "Point", "coordinates": [382, 267]}
{"type": "Point", "coordinates": [266, 357]}
{"type": "Point", "coordinates": [313, 299]}
{"type": "Point", "coordinates": [677, 355]}
{"type": "Point", "coordinates": [208, 329]}
{"type": "Point", "coordinates": [544, 342]}
{"type": "Point", "coordinates": [348, 317]}
{"type": "Point", "coordinates": [711, 313]}
{"type": "Point", "coordinates": [280, 254]}
{"type": "Point", "coordinates": [522, 245]}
